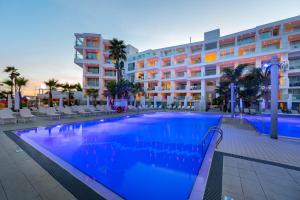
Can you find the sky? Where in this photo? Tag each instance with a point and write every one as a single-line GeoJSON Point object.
{"type": "Point", "coordinates": [37, 36]}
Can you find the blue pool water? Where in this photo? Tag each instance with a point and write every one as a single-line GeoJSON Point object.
{"type": "Point", "coordinates": [288, 127]}
{"type": "Point", "coordinates": [150, 156]}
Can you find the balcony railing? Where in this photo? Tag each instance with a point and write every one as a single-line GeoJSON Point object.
{"type": "Point", "coordinates": [294, 64]}
{"type": "Point", "coordinates": [210, 72]}
{"type": "Point", "coordinates": [246, 41]}
{"type": "Point", "coordinates": [180, 87]}
{"type": "Point", "coordinates": [110, 74]}
{"type": "Point", "coordinates": [181, 98]}
{"type": "Point", "coordinates": [92, 44]}
{"type": "Point", "coordinates": [166, 76]}
{"type": "Point", "coordinates": [294, 83]}
{"type": "Point", "coordinates": [270, 48]}
{"type": "Point", "coordinates": [151, 88]}
{"type": "Point", "coordinates": [226, 56]}
{"type": "Point", "coordinates": [295, 45]}
{"type": "Point", "coordinates": [107, 61]}
{"type": "Point", "coordinates": [224, 46]}
{"type": "Point", "coordinates": [165, 88]}
{"type": "Point", "coordinates": [198, 74]}
{"type": "Point", "coordinates": [265, 35]}
{"type": "Point", "coordinates": [296, 97]}
{"type": "Point", "coordinates": [196, 87]}
{"type": "Point", "coordinates": [180, 75]}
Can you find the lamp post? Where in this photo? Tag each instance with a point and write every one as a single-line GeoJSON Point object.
{"type": "Point", "coordinates": [274, 67]}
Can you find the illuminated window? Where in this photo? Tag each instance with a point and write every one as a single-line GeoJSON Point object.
{"type": "Point", "coordinates": [210, 57]}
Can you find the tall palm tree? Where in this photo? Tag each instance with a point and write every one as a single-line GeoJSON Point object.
{"type": "Point", "coordinates": [69, 88]}
{"type": "Point", "coordinates": [94, 93]}
{"type": "Point", "coordinates": [21, 82]}
{"type": "Point", "coordinates": [117, 52]}
{"type": "Point", "coordinates": [52, 84]}
{"type": "Point", "coordinates": [13, 74]}
{"type": "Point", "coordinates": [224, 93]}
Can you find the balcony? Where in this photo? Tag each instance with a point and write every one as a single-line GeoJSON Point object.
{"type": "Point", "coordinates": [180, 87]}
{"type": "Point", "coordinates": [296, 97]}
{"type": "Point", "coordinates": [181, 75]}
{"type": "Point", "coordinates": [92, 44]}
{"type": "Point", "coordinates": [210, 72]}
{"type": "Point", "coordinates": [295, 83]}
{"type": "Point", "coordinates": [166, 88]}
{"type": "Point", "coordinates": [294, 64]}
{"type": "Point", "coordinates": [295, 45]}
{"type": "Point", "coordinates": [224, 56]}
{"type": "Point", "coordinates": [180, 62]}
{"type": "Point", "coordinates": [151, 88]}
{"type": "Point", "coordinates": [196, 74]}
{"type": "Point", "coordinates": [195, 61]}
{"type": "Point", "coordinates": [196, 87]}
{"type": "Point", "coordinates": [108, 61]}
{"type": "Point", "coordinates": [152, 77]}
{"type": "Point", "coordinates": [166, 76]}
{"type": "Point", "coordinates": [225, 46]}
{"type": "Point", "coordinates": [246, 41]}
{"type": "Point", "coordinates": [179, 98]}
{"type": "Point", "coordinates": [272, 47]}
{"type": "Point", "coordinates": [265, 35]}
{"type": "Point", "coordinates": [110, 74]}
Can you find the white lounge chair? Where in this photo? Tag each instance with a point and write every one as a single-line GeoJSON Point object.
{"type": "Point", "coordinates": [42, 111]}
{"type": "Point", "coordinates": [294, 112]}
{"type": "Point", "coordinates": [25, 114]}
{"type": "Point", "coordinates": [7, 117]}
{"type": "Point", "coordinates": [81, 110]}
{"type": "Point", "coordinates": [93, 110]}
{"type": "Point", "coordinates": [68, 112]}
{"type": "Point", "coordinates": [169, 106]}
{"type": "Point", "coordinates": [252, 111]}
{"type": "Point", "coordinates": [52, 113]}
{"type": "Point", "coordinates": [174, 107]}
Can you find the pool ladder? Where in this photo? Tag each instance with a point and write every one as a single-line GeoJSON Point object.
{"type": "Point", "coordinates": [213, 129]}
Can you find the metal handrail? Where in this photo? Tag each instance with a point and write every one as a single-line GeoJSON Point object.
{"type": "Point", "coordinates": [210, 130]}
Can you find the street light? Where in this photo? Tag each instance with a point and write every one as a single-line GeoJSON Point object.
{"type": "Point", "coordinates": [274, 66]}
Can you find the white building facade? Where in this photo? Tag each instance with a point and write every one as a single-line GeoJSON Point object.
{"type": "Point", "coordinates": [192, 71]}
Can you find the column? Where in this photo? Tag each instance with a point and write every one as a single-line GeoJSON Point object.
{"type": "Point", "coordinates": [274, 97]}
{"type": "Point", "coordinates": [258, 62]}
{"type": "Point", "coordinates": [203, 95]}
{"type": "Point", "coordinates": [218, 70]}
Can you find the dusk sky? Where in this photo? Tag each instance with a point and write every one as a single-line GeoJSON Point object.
{"type": "Point", "coordinates": [37, 36]}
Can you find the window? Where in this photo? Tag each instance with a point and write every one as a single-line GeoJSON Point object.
{"type": "Point", "coordinates": [93, 82]}
{"type": "Point", "coordinates": [212, 45]}
{"type": "Point", "coordinates": [131, 66]}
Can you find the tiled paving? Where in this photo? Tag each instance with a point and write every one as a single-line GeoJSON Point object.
{"type": "Point", "coordinates": [250, 177]}
{"type": "Point", "coordinates": [21, 178]}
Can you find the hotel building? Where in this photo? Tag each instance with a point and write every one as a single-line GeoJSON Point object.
{"type": "Point", "coordinates": [193, 70]}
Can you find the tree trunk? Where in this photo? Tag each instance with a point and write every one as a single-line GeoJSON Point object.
{"type": "Point", "coordinates": [20, 96]}
{"type": "Point", "coordinates": [50, 99]}
{"type": "Point", "coordinates": [69, 98]}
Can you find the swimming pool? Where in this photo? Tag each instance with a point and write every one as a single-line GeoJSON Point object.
{"type": "Point", "coordinates": [287, 126]}
{"type": "Point", "coordinates": [149, 156]}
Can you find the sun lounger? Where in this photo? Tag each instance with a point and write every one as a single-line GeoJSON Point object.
{"type": "Point", "coordinates": [93, 110]}
{"type": "Point", "coordinates": [68, 112]}
{"type": "Point", "coordinates": [7, 117]}
{"type": "Point", "coordinates": [252, 111]}
{"type": "Point", "coordinates": [25, 114]}
{"type": "Point", "coordinates": [52, 113]}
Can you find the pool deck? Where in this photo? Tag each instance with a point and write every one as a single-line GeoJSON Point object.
{"type": "Point", "coordinates": [254, 166]}
{"type": "Point", "coordinates": [257, 167]}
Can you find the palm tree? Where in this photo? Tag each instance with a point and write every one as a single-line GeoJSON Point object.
{"type": "Point", "coordinates": [20, 82]}
{"type": "Point", "coordinates": [94, 93]}
{"type": "Point", "coordinates": [52, 84]}
{"type": "Point", "coordinates": [117, 52]}
{"type": "Point", "coordinates": [69, 88]}
{"type": "Point", "coordinates": [265, 80]}
{"type": "Point", "coordinates": [13, 74]}
{"type": "Point", "coordinates": [78, 87]}
{"type": "Point", "coordinates": [136, 89]}
{"type": "Point", "coordinates": [224, 93]}
{"type": "Point", "coordinates": [111, 91]}
{"type": "Point", "coordinates": [10, 84]}
{"type": "Point", "coordinates": [250, 90]}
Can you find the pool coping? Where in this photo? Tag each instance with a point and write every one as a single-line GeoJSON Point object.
{"type": "Point", "coordinates": [81, 185]}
